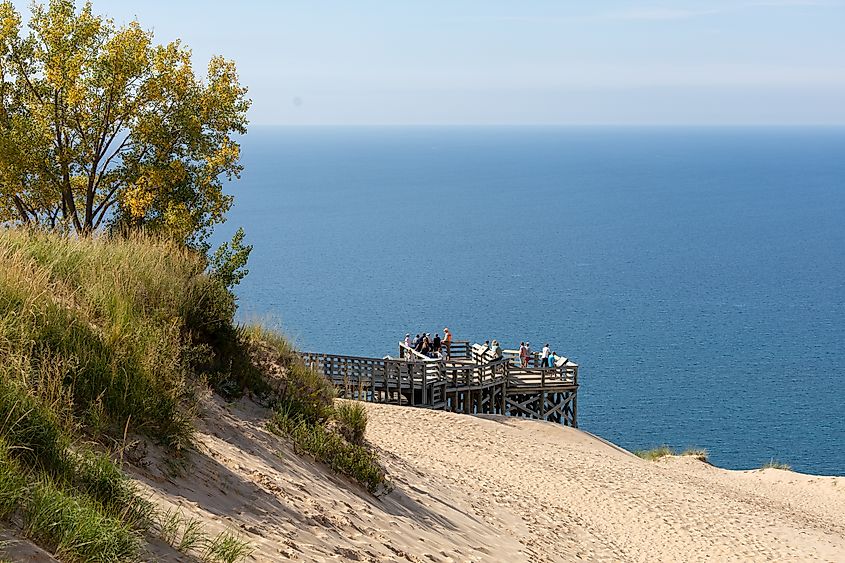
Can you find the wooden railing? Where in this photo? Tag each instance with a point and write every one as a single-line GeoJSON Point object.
{"type": "Point", "coordinates": [465, 376]}
{"type": "Point", "coordinates": [534, 377]}
{"type": "Point", "coordinates": [487, 385]}
{"type": "Point", "coordinates": [363, 378]}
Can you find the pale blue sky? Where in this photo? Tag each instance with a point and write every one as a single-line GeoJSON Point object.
{"type": "Point", "coordinates": [488, 62]}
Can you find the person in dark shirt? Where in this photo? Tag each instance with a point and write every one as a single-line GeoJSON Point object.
{"type": "Point", "coordinates": [426, 346]}
{"type": "Point", "coordinates": [435, 345]}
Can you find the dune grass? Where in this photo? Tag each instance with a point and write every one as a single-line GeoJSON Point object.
{"type": "Point", "coordinates": [351, 417]}
{"type": "Point", "coordinates": [664, 450]}
{"type": "Point", "coordinates": [98, 337]}
{"type": "Point", "coordinates": [188, 536]}
{"type": "Point", "coordinates": [307, 413]}
{"type": "Point", "coordinates": [775, 464]}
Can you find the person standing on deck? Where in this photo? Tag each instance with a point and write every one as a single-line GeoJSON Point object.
{"type": "Point", "coordinates": [544, 357]}
{"type": "Point", "coordinates": [435, 345]}
{"type": "Point", "coordinates": [527, 353]}
{"type": "Point", "coordinates": [407, 344]}
{"type": "Point", "coordinates": [523, 355]}
{"type": "Point", "coordinates": [496, 350]}
{"type": "Point", "coordinates": [426, 346]}
{"type": "Point", "coordinates": [447, 339]}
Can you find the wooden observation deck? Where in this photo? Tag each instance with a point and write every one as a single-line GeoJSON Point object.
{"type": "Point", "coordinates": [470, 381]}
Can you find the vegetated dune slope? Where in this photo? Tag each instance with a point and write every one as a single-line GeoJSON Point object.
{"type": "Point", "coordinates": [492, 489]}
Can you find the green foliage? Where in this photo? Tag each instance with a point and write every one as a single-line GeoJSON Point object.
{"type": "Point", "coordinates": [119, 329]}
{"type": "Point", "coordinates": [227, 548]}
{"type": "Point", "coordinates": [307, 394]}
{"type": "Point", "coordinates": [12, 482]}
{"type": "Point", "coordinates": [187, 536]}
{"type": "Point", "coordinates": [100, 334]}
{"type": "Point", "coordinates": [30, 429]}
{"type": "Point", "coordinates": [228, 263]}
{"type": "Point", "coordinates": [75, 528]}
{"type": "Point", "coordinates": [100, 124]}
{"type": "Point", "coordinates": [301, 391]}
{"type": "Point", "coordinates": [351, 417]}
{"type": "Point", "coordinates": [331, 448]}
{"type": "Point", "coordinates": [192, 536]}
{"type": "Point", "coordinates": [306, 413]}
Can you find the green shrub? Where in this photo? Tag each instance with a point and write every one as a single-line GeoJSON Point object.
{"type": "Point", "coordinates": [308, 393]}
{"type": "Point", "coordinates": [329, 447]}
{"type": "Point", "coordinates": [351, 420]}
{"type": "Point", "coordinates": [301, 391]}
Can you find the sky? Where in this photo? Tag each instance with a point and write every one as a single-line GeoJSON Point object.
{"type": "Point", "coordinates": [485, 62]}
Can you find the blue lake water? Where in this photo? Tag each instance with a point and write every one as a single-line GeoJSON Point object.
{"type": "Point", "coordinates": [696, 275]}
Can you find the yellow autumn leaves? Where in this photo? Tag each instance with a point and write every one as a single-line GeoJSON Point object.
{"type": "Point", "coordinates": [100, 127]}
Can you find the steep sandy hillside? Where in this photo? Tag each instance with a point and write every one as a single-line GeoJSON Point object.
{"type": "Point", "coordinates": [493, 489]}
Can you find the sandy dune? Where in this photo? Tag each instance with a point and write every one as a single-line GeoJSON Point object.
{"type": "Point", "coordinates": [493, 489]}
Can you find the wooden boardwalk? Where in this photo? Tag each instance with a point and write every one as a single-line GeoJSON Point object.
{"type": "Point", "coordinates": [470, 381]}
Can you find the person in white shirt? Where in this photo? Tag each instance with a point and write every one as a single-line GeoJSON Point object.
{"type": "Point", "coordinates": [545, 356]}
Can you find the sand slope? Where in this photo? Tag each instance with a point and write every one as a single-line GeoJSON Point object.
{"type": "Point", "coordinates": [493, 489]}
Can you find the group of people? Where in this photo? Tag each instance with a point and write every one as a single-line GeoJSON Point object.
{"type": "Point", "coordinates": [548, 359]}
{"type": "Point", "coordinates": [495, 349]}
{"type": "Point", "coordinates": [430, 347]}
{"type": "Point", "coordinates": [436, 347]}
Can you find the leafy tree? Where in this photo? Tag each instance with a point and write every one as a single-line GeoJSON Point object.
{"type": "Point", "coordinates": [101, 127]}
{"type": "Point", "coordinates": [228, 263]}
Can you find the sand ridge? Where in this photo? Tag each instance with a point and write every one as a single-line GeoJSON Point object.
{"type": "Point", "coordinates": [494, 489]}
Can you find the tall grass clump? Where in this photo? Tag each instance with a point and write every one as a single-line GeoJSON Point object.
{"type": "Point", "coordinates": [225, 547]}
{"type": "Point", "coordinates": [351, 417]}
{"type": "Point", "coordinates": [664, 451]}
{"type": "Point", "coordinates": [187, 536]}
{"type": "Point", "coordinates": [100, 336]}
{"type": "Point", "coordinates": [331, 448]}
{"type": "Point", "coordinates": [74, 528]}
{"type": "Point", "coordinates": [307, 413]}
{"type": "Point", "coordinates": [128, 325]}
{"type": "Point", "coordinates": [775, 464]}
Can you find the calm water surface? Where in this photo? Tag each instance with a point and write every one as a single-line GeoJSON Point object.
{"type": "Point", "coordinates": [696, 275]}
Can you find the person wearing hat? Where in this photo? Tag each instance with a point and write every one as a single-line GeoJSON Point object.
{"type": "Point", "coordinates": [447, 341]}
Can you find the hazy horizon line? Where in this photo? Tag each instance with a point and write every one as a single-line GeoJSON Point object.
{"type": "Point", "coordinates": [528, 124]}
